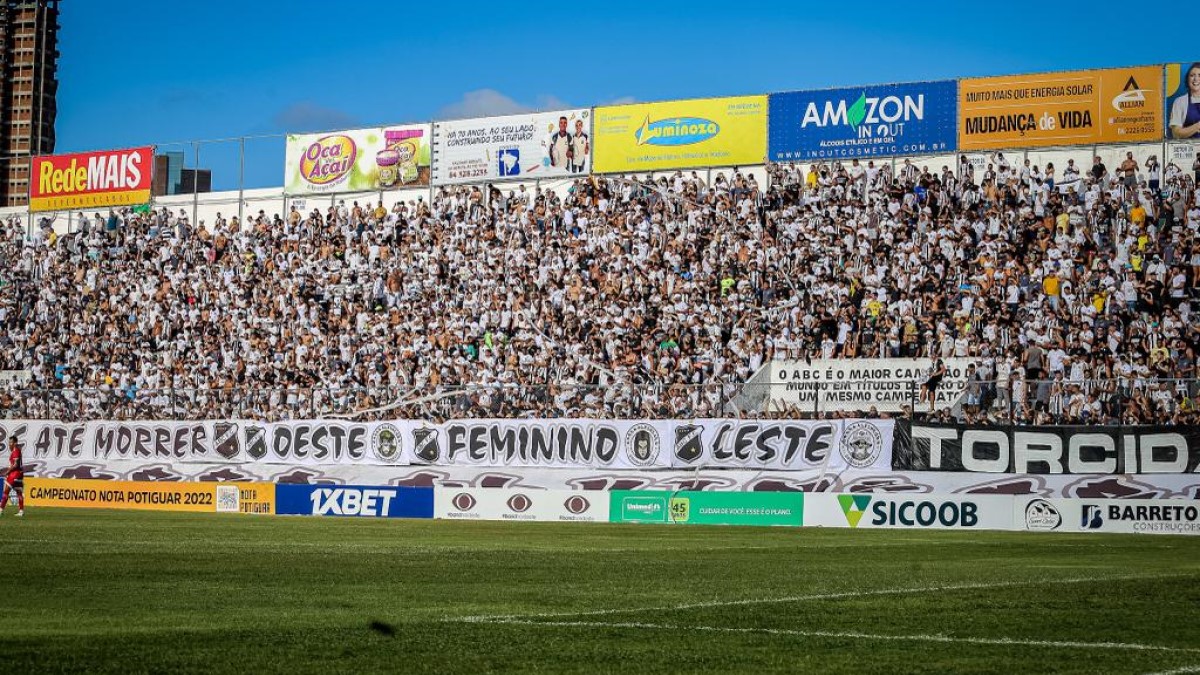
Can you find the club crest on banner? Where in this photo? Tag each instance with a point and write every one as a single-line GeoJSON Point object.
{"type": "Point", "coordinates": [688, 444]}
{"type": "Point", "coordinates": [861, 444]}
{"type": "Point", "coordinates": [642, 444]}
{"type": "Point", "coordinates": [385, 442]}
{"type": "Point", "coordinates": [227, 442]}
{"type": "Point", "coordinates": [425, 444]}
{"type": "Point", "coordinates": [256, 441]}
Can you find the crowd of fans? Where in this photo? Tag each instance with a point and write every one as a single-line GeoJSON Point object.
{"type": "Point", "coordinates": [1070, 288]}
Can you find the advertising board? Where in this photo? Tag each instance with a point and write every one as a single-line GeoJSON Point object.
{"type": "Point", "coordinates": [89, 180]}
{"type": "Point", "coordinates": [707, 508]}
{"type": "Point", "coordinates": [354, 500]}
{"type": "Point", "coordinates": [358, 160]}
{"type": "Point", "coordinates": [520, 504]}
{"type": "Point", "coordinates": [687, 134]}
{"type": "Point", "coordinates": [527, 146]}
{"type": "Point", "coordinates": [151, 496]}
{"type": "Point", "coordinates": [1083, 107]}
{"type": "Point", "coordinates": [867, 511]}
{"type": "Point", "coordinates": [874, 121]}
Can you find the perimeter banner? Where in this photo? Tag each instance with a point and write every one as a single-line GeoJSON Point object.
{"type": "Point", "coordinates": [681, 134]}
{"type": "Point", "coordinates": [792, 445]}
{"type": "Point", "coordinates": [1141, 516]}
{"type": "Point", "coordinates": [358, 160]}
{"type": "Point", "coordinates": [528, 146]}
{"type": "Point", "coordinates": [875, 121]}
{"type": "Point", "coordinates": [707, 508]}
{"type": "Point", "coordinates": [152, 496]}
{"type": "Point", "coordinates": [1002, 449]}
{"type": "Point", "coordinates": [1084, 107]}
{"type": "Point", "coordinates": [459, 503]}
{"type": "Point", "coordinates": [86, 180]}
{"type": "Point", "coordinates": [939, 512]}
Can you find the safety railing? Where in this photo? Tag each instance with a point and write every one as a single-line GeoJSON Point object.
{"type": "Point", "coordinates": [1060, 400]}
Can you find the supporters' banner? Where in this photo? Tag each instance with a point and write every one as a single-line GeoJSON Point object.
{"type": "Point", "coordinates": [867, 511]}
{"type": "Point", "coordinates": [455, 503]}
{"type": "Point", "coordinates": [855, 385]}
{"type": "Point", "coordinates": [358, 160]}
{"type": "Point", "coordinates": [1047, 449]}
{"type": "Point", "coordinates": [707, 508]}
{"type": "Point", "coordinates": [353, 500]}
{"type": "Point", "coordinates": [1183, 100]}
{"type": "Point", "coordinates": [794, 445]}
{"type": "Point", "coordinates": [1184, 155]}
{"type": "Point", "coordinates": [528, 146]}
{"type": "Point", "coordinates": [681, 134]}
{"type": "Point", "coordinates": [1119, 105]}
{"type": "Point", "coordinates": [1142, 516]}
{"type": "Point", "coordinates": [91, 179]}
{"type": "Point", "coordinates": [876, 121]}
{"type": "Point", "coordinates": [633, 444]}
{"type": "Point", "coordinates": [152, 496]}
{"type": "Point", "coordinates": [15, 379]}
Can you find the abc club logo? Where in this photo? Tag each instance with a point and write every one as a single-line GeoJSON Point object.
{"type": "Point", "coordinates": [256, 441]}
{"type": "Point", "coordinates": [425, 444]}
{"type": "Point", "coordinates": [519, 503]}
{"type": "Point", "coordinates": [463, 501]}
{"type": "Point", "coordinates": [641, 444]}
{"type": "Point", "coordinates": [861, 444]}
{"type": "Point", "coordinates": [227, 444]}
{"type": "Point", "coordinates": [385, 442]}
{"type": "Point", "coordinates": [688, 447]}
{"type": "Point", "coordinates": [576, 505]}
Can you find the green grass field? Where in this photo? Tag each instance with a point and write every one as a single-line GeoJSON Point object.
{"type": "Point", "coordinates": [140, 592]}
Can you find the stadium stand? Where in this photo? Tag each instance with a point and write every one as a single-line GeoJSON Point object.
{"type": "Point", "coordinates": [1072, 286]}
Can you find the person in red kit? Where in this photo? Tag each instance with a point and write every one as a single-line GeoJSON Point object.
{"type": "Point", "coordinates": [15, 479]}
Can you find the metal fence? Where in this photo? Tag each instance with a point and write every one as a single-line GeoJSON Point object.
{"type": "Point", "coordinates": [1056, 401]}
{"type": "Point", "coordinates": [247, 174]}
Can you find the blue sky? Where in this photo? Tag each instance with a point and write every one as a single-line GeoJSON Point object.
{"type": "Point", "coordinates": [143, 71]}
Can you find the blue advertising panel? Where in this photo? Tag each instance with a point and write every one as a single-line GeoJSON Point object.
{"type": "Point", "coordinates": [354, 500]}
{"type": "Point", "coordinates": [875, 121]}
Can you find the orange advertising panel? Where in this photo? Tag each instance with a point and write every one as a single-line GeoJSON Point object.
{"type": "Point", "coordinates": [1119, 105]}
{"type": "Point", "coordinates": [91, 179]}
{"type": "Point", "coordinates": [152, 496]}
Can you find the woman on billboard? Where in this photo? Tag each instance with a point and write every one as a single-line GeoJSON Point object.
{"type": "Point", "coordinates": [1184, 121]}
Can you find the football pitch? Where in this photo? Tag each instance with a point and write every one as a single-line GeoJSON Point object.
{"type": "Point", "coordinates": [117, 591]}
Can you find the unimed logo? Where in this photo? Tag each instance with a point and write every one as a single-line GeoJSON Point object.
{"type": "Point", "coordinates": [644, 508]}
{"type": "Point", "coordinates": [351, 502]}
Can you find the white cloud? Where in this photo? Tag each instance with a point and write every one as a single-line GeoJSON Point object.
{"type": "Point", "coordinates": [482, 103]}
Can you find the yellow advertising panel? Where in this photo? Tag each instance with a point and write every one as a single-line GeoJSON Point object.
{"type": "Point", "coordinates": [1119, 105]}
{"type": "Point", "coordinates": [152, 496]}
{"type": "Point", "coordinates": [680, 134]}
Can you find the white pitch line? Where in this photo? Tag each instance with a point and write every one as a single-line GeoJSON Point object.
{"type": "Point", "coordinates": [1003, 642]}
{"type": "Point", "coordinates": [1178, 671]}
{"type": "Point", "coordinates": [803, 598]}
